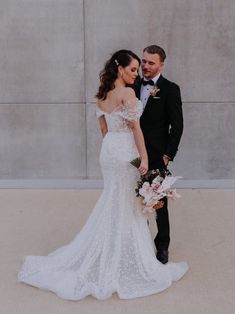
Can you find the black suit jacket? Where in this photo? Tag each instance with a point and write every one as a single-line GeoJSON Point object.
{"type": "Point", "coordinates": [162, 122]}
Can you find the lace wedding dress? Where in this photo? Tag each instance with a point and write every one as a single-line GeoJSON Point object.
{"type": "Point", "coordinates": [114, 251]}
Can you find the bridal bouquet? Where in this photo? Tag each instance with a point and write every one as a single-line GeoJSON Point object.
{"type": "Point", "coordinates": [153, 187]}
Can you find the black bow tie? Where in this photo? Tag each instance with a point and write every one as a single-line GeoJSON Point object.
{"type": "Point", "coordinates": [150, 82]}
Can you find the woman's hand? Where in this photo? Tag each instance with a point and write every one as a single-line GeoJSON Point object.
{"type": "Point", "coordinates": [143, 168]}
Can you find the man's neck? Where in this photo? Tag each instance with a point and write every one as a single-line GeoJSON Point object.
{"type": "Point", "coordinates": [155, 78]}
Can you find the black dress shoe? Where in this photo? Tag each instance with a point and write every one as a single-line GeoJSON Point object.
{"type": "Point", "coordinates": [162, 256]}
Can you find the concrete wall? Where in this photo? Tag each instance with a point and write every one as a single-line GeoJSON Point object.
{"type": "Point", "coordinates": [51, 54]}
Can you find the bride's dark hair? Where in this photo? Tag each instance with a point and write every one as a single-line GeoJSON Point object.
{"type": "Point", "coordinates": [110, 72]}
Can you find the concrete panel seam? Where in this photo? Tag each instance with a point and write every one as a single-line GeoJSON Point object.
{"type": "Point", "coordinates": [98, 184]}
{"type": "Point", "coordinates": [84, 83]}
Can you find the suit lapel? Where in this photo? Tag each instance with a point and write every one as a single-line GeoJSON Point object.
{"type": "Point", "coordinates": [160, 81]}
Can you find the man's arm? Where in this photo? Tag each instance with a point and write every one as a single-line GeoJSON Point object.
{"type": "Point", "coordinates": [175, 115]}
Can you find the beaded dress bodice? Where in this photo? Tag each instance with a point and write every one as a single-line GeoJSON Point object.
{"type": "Point", "coordinates": [118, 119]}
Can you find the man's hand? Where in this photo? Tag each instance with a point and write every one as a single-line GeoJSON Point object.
{"type": "Point", "coordinates": [166, 160]}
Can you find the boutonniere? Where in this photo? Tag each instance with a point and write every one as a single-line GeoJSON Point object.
{"type": "Point", "coordinates": [154, 90]}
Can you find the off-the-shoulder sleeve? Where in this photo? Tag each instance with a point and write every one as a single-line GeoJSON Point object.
{"type": "Point", "coordinates": [132, 110]}
{"type": "Point", "coordinates": [99, 113]}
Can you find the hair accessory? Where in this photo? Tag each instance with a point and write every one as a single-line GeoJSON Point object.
{"type": "Point", "coordinates": [117, 63]}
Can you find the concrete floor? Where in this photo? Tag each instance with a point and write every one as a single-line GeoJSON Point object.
{"type": "Point", "coordinates": [35, 222]}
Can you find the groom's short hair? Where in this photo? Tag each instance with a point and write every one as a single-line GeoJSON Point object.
{"type": "Point", "coordinates": [156, 49]}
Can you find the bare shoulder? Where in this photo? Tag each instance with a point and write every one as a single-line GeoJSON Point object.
{"type": "Point", "coordinates": [128, 94]}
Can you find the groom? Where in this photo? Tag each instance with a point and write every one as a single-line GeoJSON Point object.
{"type": "Point", "coordinates": [162, 126]}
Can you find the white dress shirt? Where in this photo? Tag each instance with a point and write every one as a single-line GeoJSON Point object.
{"type": "Point", "coordinates": [145, 90]}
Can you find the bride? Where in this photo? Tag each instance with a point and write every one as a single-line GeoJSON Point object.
{"type": "Point", "coordinates": [113, 252]}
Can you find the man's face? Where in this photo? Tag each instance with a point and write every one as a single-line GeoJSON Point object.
{"type": "Point", "coordinates": [151, 65]}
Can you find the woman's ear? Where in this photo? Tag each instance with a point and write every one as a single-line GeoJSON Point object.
{"type": "Point", "coordinates": [120, 70]}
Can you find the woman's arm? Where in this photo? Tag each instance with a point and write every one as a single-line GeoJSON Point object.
{"type": "Point", "coordinates": [129, 100]}
{"type": "Point", "coordinates": [103, 125]}
{"type": "Point", "coordinates": [139, 142]}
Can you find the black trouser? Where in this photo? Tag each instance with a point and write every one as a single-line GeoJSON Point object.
{"type": "Point", "coordinates": [162, 239]}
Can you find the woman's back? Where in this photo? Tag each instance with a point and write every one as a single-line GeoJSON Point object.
{"type": "Point", "coordinates": [119, 108]}
{"type": "Point", "coordinates": [114, 99]}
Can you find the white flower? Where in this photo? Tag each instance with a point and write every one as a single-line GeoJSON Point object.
{"type": "Point", "coordinates": [146, 191]}
{"type": "Point", "coordinates": [167, 183]}
{"type": "Point", "coordinates": [152, 193]}
{"type": "Point", "coordinates": [154, 90]}
{"type": "Point", "coordinates": [173, 195]}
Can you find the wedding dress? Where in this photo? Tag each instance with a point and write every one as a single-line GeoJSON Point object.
{"type": "Point", "coordinates": [114, 251]}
